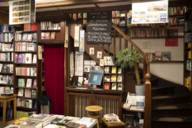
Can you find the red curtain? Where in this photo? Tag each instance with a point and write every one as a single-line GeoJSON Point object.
{"type": "Point", "coordinates": [54, 77]}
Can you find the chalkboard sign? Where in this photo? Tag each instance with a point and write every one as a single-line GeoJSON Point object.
{"type": "Point", "coordinates": [99, 27]}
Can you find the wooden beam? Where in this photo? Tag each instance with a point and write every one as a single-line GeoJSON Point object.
{"type": "Point", "coordinates": [75, 2]}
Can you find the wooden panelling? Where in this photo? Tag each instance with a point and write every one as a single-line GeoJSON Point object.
{"type": "Point", "coordinates": [78, 101]}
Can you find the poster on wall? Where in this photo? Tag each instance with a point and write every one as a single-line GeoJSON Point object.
{"type": "Point", "coordinates": [150, 12]}
{"type": "Point", "coordinates": [22, 11]}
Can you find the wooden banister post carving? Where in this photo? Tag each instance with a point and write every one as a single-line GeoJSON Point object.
{"type": "Point", "coordinates": [147, 109]}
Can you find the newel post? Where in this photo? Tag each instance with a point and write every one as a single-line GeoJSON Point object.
{"type": "Point", "coordinates": [147, 109]}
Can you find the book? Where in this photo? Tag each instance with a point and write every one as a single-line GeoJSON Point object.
{"type": "Point", "coordinates": [28, 58]}
{"type": "Point", "coordinates": [29, 83]}
{"type": "Point", "coordinates": [28, 93]}
{"type": "Point", "coordinates": [33, 93]}
{"type": "Point", "coordinates": [34, 58]}
{"type": "Point", "coordinates": [35, 84]}
{"type": "Point", "coordinates": [113, 78]}
{"type": "Point", "coordinates": [113, 70]}
{"type": "Point", "coordinates": [20, 92]}
{"type": "Point", "coordinates": [119, 87]}
{"type": "Point", "coordinates": [21, 82]}
{"type": "Point", "coordinates": [106, 86]}
{"type": "Point", "coordinates": [114, 86]}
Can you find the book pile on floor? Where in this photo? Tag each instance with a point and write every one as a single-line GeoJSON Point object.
{"type": "Point", "coordinates": [53, 121]}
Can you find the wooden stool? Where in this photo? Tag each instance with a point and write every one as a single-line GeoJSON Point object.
{"type": "Point", "coordinates": [5, 100]}
{"type": "Point", "coordinates": [93, 112]}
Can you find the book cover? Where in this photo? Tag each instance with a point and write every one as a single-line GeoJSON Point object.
{"type": "Point", "coordinates": [33, 94]}
{"type": "Point", "coordinates": [113, 78]}
{"type": "Point", "coordinates": [28, 93]}
{"type": "Point", "coordinates": [52, 36]}
{"type": "Point", "coordinates": [20, 92]}
{"type": "Point", "coordinates": [120, 87]}
{"type": "Point", "coordinates": [106, 86]}
{"type": "Point", "coordinates": [21, 82]}
{"type": "Point", "coordinates": [29, 83]}
{"type": "Point", "coordinates": [113, 70]}
{"type": "Point", "coordinates": [28, 103]}
{"type": "Point", "coordinates": [31, 47]}
{"type": "Point", "coordinates": [28, 58]}
{"type": "Point", "coordinates": [114, 86]}
{"type": "Point", "coordinates": [34, 58]}
{"type": "Point", "coordinates": [35, 84]}
{"type": "Point", "coordinates": [119, 78]}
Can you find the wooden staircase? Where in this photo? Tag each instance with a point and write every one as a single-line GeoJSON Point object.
{"type": "Point", "coordinates": [167, 105]}
{"type": "Point", "coordinates": [171, 105]}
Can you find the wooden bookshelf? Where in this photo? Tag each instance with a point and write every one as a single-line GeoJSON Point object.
{"type": "Point", "coordinates": [6, 61]}
{"type": "Point", "coordinates": [188, 54]}
{"type": "Point", "coordinates": [26, 70]}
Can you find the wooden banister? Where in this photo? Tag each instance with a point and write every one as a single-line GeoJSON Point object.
{"type": "Point", "coordinates": [126, 37]}
{"type": "Point", "coordinates": [147, 109]}
{"type": "Point", "coordinates": [146, 74]}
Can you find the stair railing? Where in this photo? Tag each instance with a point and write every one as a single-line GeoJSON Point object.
{"type": "Point", "coordinates": [146, 72]}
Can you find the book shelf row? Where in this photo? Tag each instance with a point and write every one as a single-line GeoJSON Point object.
{"type": "Point", "coordinates": [27, 83]}
{"type": "Point", "coordinates": [18, 67]}
{"type": "Point", "coordinates": [6, 37]}
{"type": "Point", "coordinates": [27, 93]}
{"type": "Point", "coordinates": [188, 54]}
{"type": "Point", "coordinates": [26, 103]}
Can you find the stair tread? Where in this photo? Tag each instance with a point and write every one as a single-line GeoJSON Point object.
{"type": "Point", "coordinates": [174, 119]}
{"type": "Point", "coordinates": [167, 96]}
{"type": "Point", "coordinates": [173, 107]}
{"type": "Point", "coordinates": [161, 87]}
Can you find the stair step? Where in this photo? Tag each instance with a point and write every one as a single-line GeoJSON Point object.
{"type": "Point", "coordinates": [173, 112]}
{"type": "Point", "coordinates": [174, 119]}
{"type": "Point", "coordinates": [166, 124]}
{"type": "Point", "coordinates": [165, 97]}
{"type": "Point", "coordinates": [174, 107]}
{"type": "Point", "coordinates": [162, 90]}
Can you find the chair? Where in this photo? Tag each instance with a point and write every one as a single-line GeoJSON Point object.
{"type": "Point", "coordinates": [94, 111]}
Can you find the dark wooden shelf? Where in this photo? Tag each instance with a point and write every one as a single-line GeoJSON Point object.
{"type": "Point", "coordinates": [27, 88]}
{"type": "Point", "coordinates": [26, 52]}
{"type": "Point", "coordinates": [26, 109]}
{"type": "Point", "coordinates": [7, 62]}
{"type": "Point", "coordinates": [6, 42]}
{"type": "Point", "coordinates": [28, 31]}
{"type": "Point", "coordinates": [26, 76]}
{"type": "Point", "coordinates": [6, 32]}
{"type": "Point", "coordinates": [96, 91]}
{"type": "Point", "coordinates": [167, 62]}
{"type": "Point", "coordinates": [5, 51]}
{"type": "Point", "coordinates": [6, 85]}
{"type": "Point", "coordinates": [160, 37]}
{"type": "Point", "coordinates": [23, 97]}
{"type": "Point", "coordinates": [176, 15]}
{"type": "Point", "coordinates": [25, 64]}
{"type": "Point", "coordinates": [4, 73]}
{"type": "Point", "coordinates": [52, 42]}
{"type": "Point", "coordinates": [33, 41]}
{"type": "Point", "coordinates": [50, 30]}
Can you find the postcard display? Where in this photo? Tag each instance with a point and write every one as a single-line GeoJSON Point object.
{"type": "Point", "coordinates": [91, 70]}
{"type": "Point", "coordinates": [21, 11]}
{"type": "Point", "coordinates": [98, 32]}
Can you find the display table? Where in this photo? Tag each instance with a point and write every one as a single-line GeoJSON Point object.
{"type": "Point", "coordinates": [5, 100]}
{"type": "Point", "coordinates": [53, 121]}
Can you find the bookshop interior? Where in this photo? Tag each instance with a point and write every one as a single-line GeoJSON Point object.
{"type": "Point", "coordinates": [95, 64]}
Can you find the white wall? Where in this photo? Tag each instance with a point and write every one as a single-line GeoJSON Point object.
{"type": "Point", "coordinates": [169, 71]}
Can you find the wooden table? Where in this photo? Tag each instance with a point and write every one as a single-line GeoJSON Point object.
{"type": "Point", "coordinates": [4, 100]}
